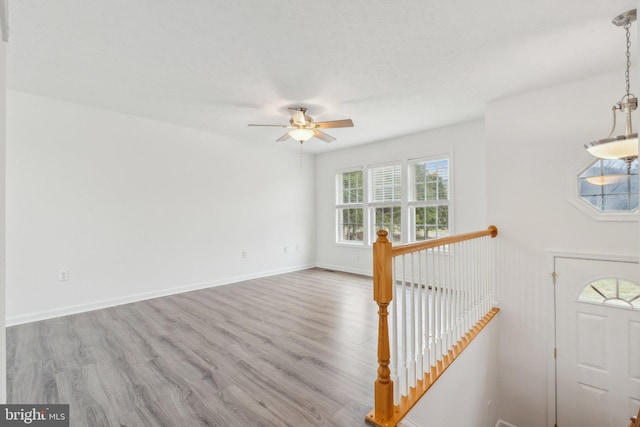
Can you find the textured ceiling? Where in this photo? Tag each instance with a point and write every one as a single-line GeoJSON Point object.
{"type": "Point", "coordinates": [394, 67]}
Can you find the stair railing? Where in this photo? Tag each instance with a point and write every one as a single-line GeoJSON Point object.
{"type": "Point", "coordinates": [433, 298]}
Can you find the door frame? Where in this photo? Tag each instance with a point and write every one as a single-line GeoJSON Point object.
{"type": "Point", "coordinates": [552, 257]}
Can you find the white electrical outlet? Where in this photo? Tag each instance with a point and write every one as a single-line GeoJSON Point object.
{"type": "Point", "coordinates": [285, 249]}
{"type": "Point", "coordinates": [244, 254]}
{"type": "Point", "coordinates": [63, 275]}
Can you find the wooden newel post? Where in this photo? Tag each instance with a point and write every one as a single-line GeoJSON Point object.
{"type": "Point", "coordinates": [382, 294]}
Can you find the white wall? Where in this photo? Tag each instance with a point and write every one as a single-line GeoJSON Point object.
{"type": "Point", "coordinates": [136, 208]}
{"type": "Point", "coordinates": [465, 142]}
{"type": "Point", "coordinates": [3, 352]}
{"type": "Point", "coordinates": [534, 141]}
{"type": "Point", "coordinates": [465, 395]}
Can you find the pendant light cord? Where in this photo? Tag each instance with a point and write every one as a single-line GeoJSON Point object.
{"type": "Point", "coordinates": [627, 26]}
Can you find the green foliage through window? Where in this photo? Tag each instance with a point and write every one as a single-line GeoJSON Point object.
{"type": "Point", "coordinates": [430, 198]}
{"type": "Point", "coordinates": [431, 180]}
{"type": "Point", "coordinates": [352, 225]}
{"type": "Point", "coordinates": [352, 188]}
{"type": "Point", "coordinates": [431, 222]}
{"type": "Point", "coordinates": [389, 219]}
{"type": "Point", "coordinates": [350, 195]}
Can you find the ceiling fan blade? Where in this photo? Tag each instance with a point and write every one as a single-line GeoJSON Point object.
{"type": "Point", "coordinates": [278, 126]}
{"type": "Point", "coordinates": [297, 116]}
{"type": "Point", "coordinates": [284, 137]}
{"type": "Point", "coordinates": [323, 136]}
{"type": "Point", "coordinates": [347, 123]}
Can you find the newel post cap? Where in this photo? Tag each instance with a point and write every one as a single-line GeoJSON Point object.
{"type": "Point", "coordinates": [382, 236]}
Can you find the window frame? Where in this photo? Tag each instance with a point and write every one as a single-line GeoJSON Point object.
{"type": "Point", "coordinates": [412, 203]}
{"type": "Point", "coordinates": [396, 203]}
{"type": "Point", "coordinates": [341, 206]}
{"type": "Point", "coordinates": [573, 178]}
{"type": "Point", "coordinates": [407, 225]}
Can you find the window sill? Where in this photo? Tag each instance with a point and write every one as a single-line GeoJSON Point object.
{"type": "Point", "coordinates": [358, 245]}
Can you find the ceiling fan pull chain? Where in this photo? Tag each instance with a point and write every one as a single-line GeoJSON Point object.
{"type": "Point", "coordinates": [301, 155]}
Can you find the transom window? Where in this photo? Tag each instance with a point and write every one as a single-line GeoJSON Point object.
{"type": "Point", "coordinates": [610, 185]}
{"type": "Point", "coordinates": [612, 291]}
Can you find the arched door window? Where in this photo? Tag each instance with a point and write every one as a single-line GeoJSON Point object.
{"type": "Point", "coordinates": [612, 291]}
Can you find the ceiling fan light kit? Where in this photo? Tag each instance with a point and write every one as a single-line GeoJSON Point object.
{"type": "Point", "coordinates": [302, 127]}
{"type": "Point", "coordinates": [301, 135]}
{"type": "Point", "coordinates": [621, 146]}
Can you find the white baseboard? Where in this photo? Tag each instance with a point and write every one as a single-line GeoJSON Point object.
{"type": "Point", "coordinates": [502, 423]}
{"type": "Point", "coordinates": [75, 309]}
{"type": "Point", "coordinates": [345, 269]}
{"type": "Point", "coordinates": [407, 423]}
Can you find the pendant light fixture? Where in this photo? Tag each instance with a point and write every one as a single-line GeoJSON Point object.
{"type": "Point", "coordinates": [623, 146]}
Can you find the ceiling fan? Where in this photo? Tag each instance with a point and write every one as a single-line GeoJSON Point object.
{"type": "Point", "coordinates": [302, 127]}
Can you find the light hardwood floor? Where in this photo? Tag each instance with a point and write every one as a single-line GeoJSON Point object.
{"type": "Point", "coordinates": [296, 350]}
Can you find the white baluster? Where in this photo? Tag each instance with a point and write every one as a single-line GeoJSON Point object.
{"type": "Point", "coordinates": [445, 305]}
{"type": "Point", "coordinates": [445, 299]}
{"type": "Point", "coordinates": [427, 314]}
{"type": "Point", "coordinates": [478, 272]}
{"type": "Point", "coordinates": [394, 335]}
{"type": "Point", "coordinates": [459, 328]}
{"type": "Point", "coordinates": [485, 281]}
{"type": "Point", "coordinates": [472, 277]}
{"type": "Point", "coordinates": [419, 321]}
{"type": "Point", "coordinates": [432, 311]}
{"type": "Point", "coordinates": [436, 305]}
{"type": "Point", "coordinates": [450, 300]}
{"type": "Point", "coordinates": [472, 311]}
{"type": "Point", "coordinates": [403, 318]}
{"type": "Point", "coordinates": [412, 330]}
{"type": "Point", "coordinates": [467, 304]}
{"type": "Point", "coordinates": [457, 293]}
{"type": "Point", "coordinates": [487, 244]}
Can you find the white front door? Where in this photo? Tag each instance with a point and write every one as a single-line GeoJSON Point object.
{"type": "Point", "coordinates": [598, 344]}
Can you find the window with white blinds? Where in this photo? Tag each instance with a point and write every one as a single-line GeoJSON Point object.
{"type": "Point", "coordinates": [410, 199]}
{"type": "Point", "coordinates": [386, 200]}
{"type": "Point", "coordinates": [386, 184]}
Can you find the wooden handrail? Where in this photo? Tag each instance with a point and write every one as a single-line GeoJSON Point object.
{"type": "Point", "coordinates": [443, 241]}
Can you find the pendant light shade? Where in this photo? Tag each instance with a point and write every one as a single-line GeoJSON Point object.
{"type": "Point", "coordinates": [619, 147]}
{"type": "Point", "coordinates": [625, 145]}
